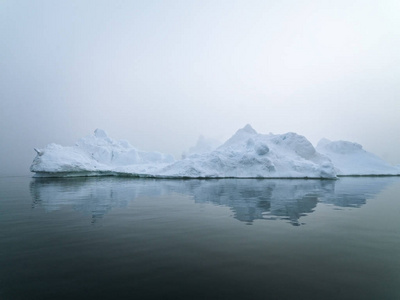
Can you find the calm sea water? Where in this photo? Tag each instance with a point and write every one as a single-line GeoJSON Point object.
{"type": "Point", "coordinates": [120, 238]}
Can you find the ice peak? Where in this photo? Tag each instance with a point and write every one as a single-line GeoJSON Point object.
{"type": "Point", "coordinates": [100, 133]}
{"type": "Point", "coordinates": [248, 129]}
{"type": "Point", "coordinates": [240, 136]}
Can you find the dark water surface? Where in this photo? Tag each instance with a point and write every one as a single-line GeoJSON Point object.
{"type": "Point", "coordinates": [120, 238]}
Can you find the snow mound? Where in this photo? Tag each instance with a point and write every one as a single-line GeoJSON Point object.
{"type": "Point", "coordinates": [351, 159]}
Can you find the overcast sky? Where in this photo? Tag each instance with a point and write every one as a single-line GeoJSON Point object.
{"type": "Point", "coordinates": [160, 73]}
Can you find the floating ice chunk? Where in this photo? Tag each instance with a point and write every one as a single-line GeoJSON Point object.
{"type": "Point", "coordinates": [351, 159]}
{"type": "Point", "coordinates": [94, 155]}
{"type": "Point", "coordinates": [247, 154]}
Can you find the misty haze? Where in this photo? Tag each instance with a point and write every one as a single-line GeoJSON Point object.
{"type": "Point", "coordinates": [199, 149]}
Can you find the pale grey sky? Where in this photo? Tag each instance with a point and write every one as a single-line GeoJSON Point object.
{"type": "Point", "coordinates": [160, 73]}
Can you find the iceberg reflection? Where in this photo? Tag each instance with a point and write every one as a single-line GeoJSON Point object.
{"type": "Point", "coordinates": [249, 199]}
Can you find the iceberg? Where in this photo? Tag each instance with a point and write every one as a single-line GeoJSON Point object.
{"type": "Point", "coordinates": [247, 154]}
{"type": "Point", "coordinates": [203, 145]}
{"type": "Point", "coordinates": [350, 159]}
{"type": "Point", "coordinates": [96, 155]}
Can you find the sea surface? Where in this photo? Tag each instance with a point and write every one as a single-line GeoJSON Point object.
{"type": "Point", "coordinates": [124, 238]}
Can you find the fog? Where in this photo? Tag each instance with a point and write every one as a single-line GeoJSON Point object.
{"type": "Point", "coordinates": [160, 73]}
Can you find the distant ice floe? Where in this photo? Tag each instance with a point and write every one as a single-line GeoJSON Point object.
{"type": "Point", "coordinates": [247, 154]}
{"type": "Point", "coordinates": [203, 145]}
{"type": "Point", "coordinates": [351, 159]}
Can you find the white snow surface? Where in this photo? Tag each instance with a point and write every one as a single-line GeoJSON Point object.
{"type": "Point", "coordinates": [351, 159]}
{"type": "Point", "coordinates": [247, 154]}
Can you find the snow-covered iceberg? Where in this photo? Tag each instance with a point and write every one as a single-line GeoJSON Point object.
{"type": "Point", "coordinates": [247, 154]}
{"type": "Point", "coordinates": [350, 159]}
{"type": "Point", "coordinates": [96, 155]}
{"type": "Point", "coordinates": [203, 145]}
